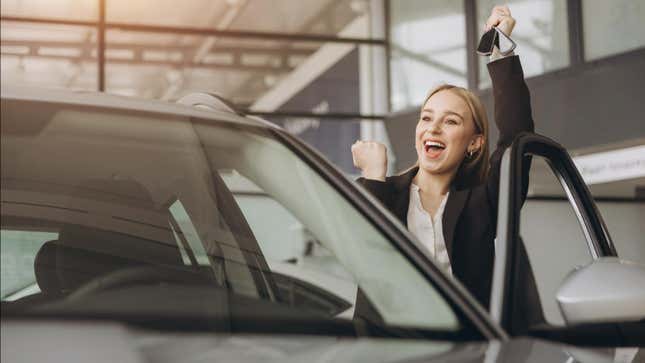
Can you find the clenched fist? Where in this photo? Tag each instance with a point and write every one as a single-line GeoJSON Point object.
{"type": "Point", "coordinates": [501, 17]}
{"type": "Point", "coordinates": [371, 158]}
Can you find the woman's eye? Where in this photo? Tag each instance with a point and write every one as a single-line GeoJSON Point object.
{"type": "Point", "coordinates": [451, 122]}
{"type": "Point", "coordinates": [425, 118]}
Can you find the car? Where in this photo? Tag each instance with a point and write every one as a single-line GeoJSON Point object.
{"type": "Point", "coordinates": [137, 230]}
{"type": "Point", "coordinates": [586, 294]}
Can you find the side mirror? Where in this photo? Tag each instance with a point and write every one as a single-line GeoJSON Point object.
{"type": "Point", "coordinates": [607, 290]}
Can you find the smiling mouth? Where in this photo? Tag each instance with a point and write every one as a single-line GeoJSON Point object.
{"type": "Point", "coordinates": [433, 148]}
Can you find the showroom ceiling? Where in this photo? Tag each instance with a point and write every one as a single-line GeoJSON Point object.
{"type": "Point", "coordinates": [164, 64]}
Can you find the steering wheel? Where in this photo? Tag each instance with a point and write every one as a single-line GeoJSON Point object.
{"type": "Point", "coordinates": [136, 275]}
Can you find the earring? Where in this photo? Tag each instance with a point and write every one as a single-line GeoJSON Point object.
{"type": "Point", "coordinates": [470, 154]}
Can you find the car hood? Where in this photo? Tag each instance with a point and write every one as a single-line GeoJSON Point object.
{"type": "Point", "coordinates": [51, 341]}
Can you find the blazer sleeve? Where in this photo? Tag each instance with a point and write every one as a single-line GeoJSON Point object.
{"type": "Point", "coordinates": [379, 189]}
{"type": "Point", "coordinates": [512, 116]}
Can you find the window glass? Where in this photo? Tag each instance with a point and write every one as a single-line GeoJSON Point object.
{"type": "Point", "coordinates": [624, 219]}
{"type": "Point", "coordinates": [48, 55]}
{"type": "Point", "coordinates": [286, 16]}
{"type": "Point", "coordinates": [262, 75]}
{"type": "Point", "coordinates": [332, 227]}
{"type": "Point", "coordinates": [18, 254]}
{"type": "Point", "coordinates": [184, 230]}
{"type": "Point", "coordinates": [177, 216]}
{"type": "Point", "coordinates": [612, 27]}
{"type": "Point", "coordinates": [428, 47]}
{"type": "Point", "coordinates": [540, 34]}
{"type": "Point", "coordinates": [292, 251]}
{"type": "Point", "coordinates": [51, 9]}
{"type": "Point", "coordinates": [553, 237]}
{"type": "Point", "coordinates": [328, 135]}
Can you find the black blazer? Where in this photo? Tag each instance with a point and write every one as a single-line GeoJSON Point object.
{"type": "Point", "coordinates": [470, 215]}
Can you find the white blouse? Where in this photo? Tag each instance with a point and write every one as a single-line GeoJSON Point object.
{"type": "Point", "coordinates": [428, 231]}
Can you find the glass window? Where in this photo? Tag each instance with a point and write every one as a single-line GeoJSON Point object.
{"type": "Point", "coordinates": [262, 75]}
{"type": "Point", "coordinates": [624, 220]}
{"type": "Point", "coordinates": [428, 40]}
{"type": "Point", "coordinates": [184, 217]}
{"type": "Point", "coordinates": [293, 253]}
{"type": "Point", "coordinates": [332, 137]}
{"type": "Point", "coordinates": [612, 27]}
{"type": "Point", "coordinates": [18, 254]}
{"type": "Point", "coordinates": [45, 55]}
{"type": "Point", "coordinates": [51, 9]}
{"type": "Point", "coordinates": [168, 66]}
{"type": "Point", "coordinates": [540, 34]}
{"type": "Point", "coordinates": [285, 16]}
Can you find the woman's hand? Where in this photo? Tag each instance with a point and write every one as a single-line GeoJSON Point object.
{"type": "Point", "coordinates": [501, 17]}
{"type": "Point", "coordinates": [371, 158]}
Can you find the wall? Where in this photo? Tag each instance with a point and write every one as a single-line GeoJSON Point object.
{"type": "Point", "coordinates": [625, 224]}
{"type": "Point", "coordinates": [555, 242]}
{"type": "Point", "coordinates": [598, 103]}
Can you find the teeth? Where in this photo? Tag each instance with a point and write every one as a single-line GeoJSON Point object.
{"type": "Point", "coordinates": [434, 143]}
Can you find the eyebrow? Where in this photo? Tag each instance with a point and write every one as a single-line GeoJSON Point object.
{"type": "Point", "coordinates": [447, 112]}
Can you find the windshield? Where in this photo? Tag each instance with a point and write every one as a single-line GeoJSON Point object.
{"type": "Point", "coordinates": [121, 214]}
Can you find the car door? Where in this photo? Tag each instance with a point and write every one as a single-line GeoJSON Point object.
{"type": "Point", "coordinates": [557, 274]}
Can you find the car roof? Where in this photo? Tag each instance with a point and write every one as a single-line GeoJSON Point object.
{"type": "Point", "coordinates": [116, 102]}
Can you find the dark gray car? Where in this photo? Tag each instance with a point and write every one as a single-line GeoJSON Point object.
{"type": "Point", "coordinates": [144, 231]}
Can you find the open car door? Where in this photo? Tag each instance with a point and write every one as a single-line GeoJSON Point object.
{"type": "Point", "coordinates": [557, 274]}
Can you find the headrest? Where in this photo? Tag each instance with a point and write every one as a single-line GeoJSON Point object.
{"type": "Point", "coordinates": [83, 252]}
{"type": "Point", "coordinates": [45, 268]}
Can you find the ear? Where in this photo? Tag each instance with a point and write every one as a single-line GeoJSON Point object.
{"type": "Point", "coordinates": [476, 143]}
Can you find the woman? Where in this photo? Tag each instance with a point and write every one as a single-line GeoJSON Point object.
{"type": "Point", "coordinates": [448, 200]}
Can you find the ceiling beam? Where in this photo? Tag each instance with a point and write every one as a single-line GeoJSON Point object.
{"type": "Point", "coordinates": [139, 47]}
{"type": "Point", "coordinates": [240, 66]}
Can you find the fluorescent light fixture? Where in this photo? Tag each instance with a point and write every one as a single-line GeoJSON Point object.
{"type": "Point", "coordinates": [611, 166]}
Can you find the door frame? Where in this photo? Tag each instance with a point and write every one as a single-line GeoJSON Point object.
{"type": "Point", "coordinates": [510, 202]}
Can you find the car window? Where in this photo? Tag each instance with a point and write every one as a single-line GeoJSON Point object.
{"type": "Point", "coordinates": [555, 242]}
{"type": "Point", "coordinates": [157, 214]}
{"type": "Point", "coordinates": [18, 251]}
{"type": "Point", "coordinates": [293, 252]}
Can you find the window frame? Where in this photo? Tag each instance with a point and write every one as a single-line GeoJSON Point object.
{"type": "Point", "coordinates": [505, 279]}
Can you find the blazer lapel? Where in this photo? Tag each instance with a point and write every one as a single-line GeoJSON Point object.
{"type": "Point", "coordinates": [401, 202]}
{"type": "Point", "coordinates": [454, 206]}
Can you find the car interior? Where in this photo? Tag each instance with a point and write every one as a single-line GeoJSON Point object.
{"type": "Point", "coordinates": [136, 200]}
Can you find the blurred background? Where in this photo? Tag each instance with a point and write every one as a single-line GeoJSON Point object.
{"type": "Point", "coordinates": [333, 71]}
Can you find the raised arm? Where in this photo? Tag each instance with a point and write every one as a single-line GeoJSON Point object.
{"type": "Point", "coordinates": [512, 103]}
{"type": "Point", "coordinates": [371, 158]}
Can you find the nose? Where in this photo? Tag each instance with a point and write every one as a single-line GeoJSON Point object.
{"type": "Point", "coordinates": [435, 127]}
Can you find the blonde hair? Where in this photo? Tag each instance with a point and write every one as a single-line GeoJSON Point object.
{"type": "Point", "coordinates": [473, 170]}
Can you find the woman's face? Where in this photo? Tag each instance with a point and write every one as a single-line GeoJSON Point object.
{"type": "Point", "coordinates": [444, 133]}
